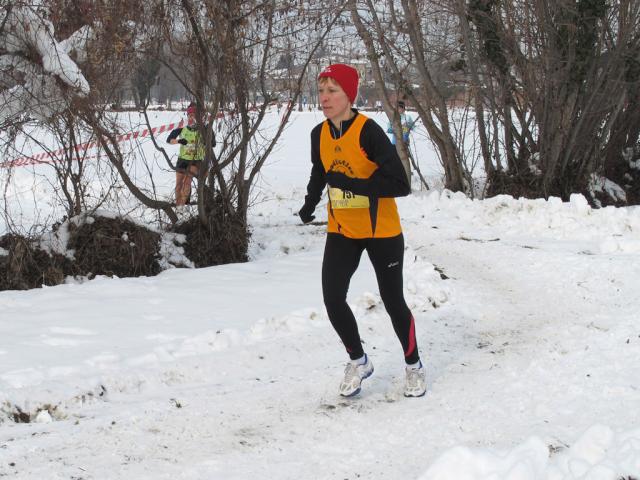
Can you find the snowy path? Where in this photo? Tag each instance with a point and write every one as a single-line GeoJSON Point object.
{"type": "Point", "coordinates": [539, 351]}
{"type": "Point", "coordinates": [522, 343]}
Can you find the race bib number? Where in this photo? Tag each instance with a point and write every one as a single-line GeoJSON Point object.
{"type": "Point", "coordinates": [346, 199]}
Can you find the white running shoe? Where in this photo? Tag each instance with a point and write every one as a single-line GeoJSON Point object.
{"type": "Point", "coordinates": [416, 385]}
{"type": "Point", "coordinates": [353, 376]}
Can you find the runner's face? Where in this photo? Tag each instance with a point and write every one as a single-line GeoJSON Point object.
{"type": "Point", "coordinates": [191, 118]}
{"type": "Point", "coordinates": [334, 102]}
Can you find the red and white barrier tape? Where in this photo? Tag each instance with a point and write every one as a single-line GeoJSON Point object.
{"type": "Point", "coordinates": [57, 155]}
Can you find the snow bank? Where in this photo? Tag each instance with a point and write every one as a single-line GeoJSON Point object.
{"type": "Point", "coordinates": [613, 229]}
{"type": "Point", "coordinates": [599, 454]}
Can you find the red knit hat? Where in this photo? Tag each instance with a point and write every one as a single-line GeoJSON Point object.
{"type": "Point", "coordinates": [191, 109]}
{"type": "Point", "coordinates": [346, 76]}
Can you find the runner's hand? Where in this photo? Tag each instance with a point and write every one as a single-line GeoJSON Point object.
{"type": "Point", "coordinates": [306, 214]}
{"type": "Point", "coordinates": [339, 180]}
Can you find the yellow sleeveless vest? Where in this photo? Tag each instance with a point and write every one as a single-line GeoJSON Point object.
{"type": "Point", "coordinates": [193, 150]}
{"type": "Point", "coordinates": [355, 216]}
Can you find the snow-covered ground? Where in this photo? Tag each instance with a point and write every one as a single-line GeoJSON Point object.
{"type": "Point", "coordinates": [527, 320]}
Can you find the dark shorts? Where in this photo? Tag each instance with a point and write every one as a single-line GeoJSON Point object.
{"type": "Point", "coordinates": [183, 165]}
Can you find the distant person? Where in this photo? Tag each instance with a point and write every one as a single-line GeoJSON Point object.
{"type": "Point", "coordinates": [378, 105]}
{"type": "Point", "coordinates": [407, 124]}
{"type": "Point", "coordinates": [353, 155]}
{"type": "Point", "coordinates": [190, 156]}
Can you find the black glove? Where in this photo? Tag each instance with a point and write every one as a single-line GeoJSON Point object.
{"type": "Point", "coordinates": [306, 214]}
{"type": "Point", "coordinates": [183, 141]}
{"type": "Point", "coordinates": [339, 180]}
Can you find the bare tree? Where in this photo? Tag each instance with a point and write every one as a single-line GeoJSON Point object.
{"type": "Point", "coordinates": [399, 40]}
{"type": "Point", "coordinates": [226, 54]}
{"type": "Point", "coordinates": [39, 81]}
{"type": "Point", "coordinates": [37, 76]}
{"type": "Point", "coordinates": [555, 79]}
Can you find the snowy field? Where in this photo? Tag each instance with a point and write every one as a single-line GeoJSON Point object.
{"type": "Point", "coordinates": [526, 315]}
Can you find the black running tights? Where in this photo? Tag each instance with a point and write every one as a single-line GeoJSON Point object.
{"type": "Point", "coordinates": [341, 259]}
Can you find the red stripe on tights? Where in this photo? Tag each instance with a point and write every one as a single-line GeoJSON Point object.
{"type": "Point", "coordinates": [412, 338]}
